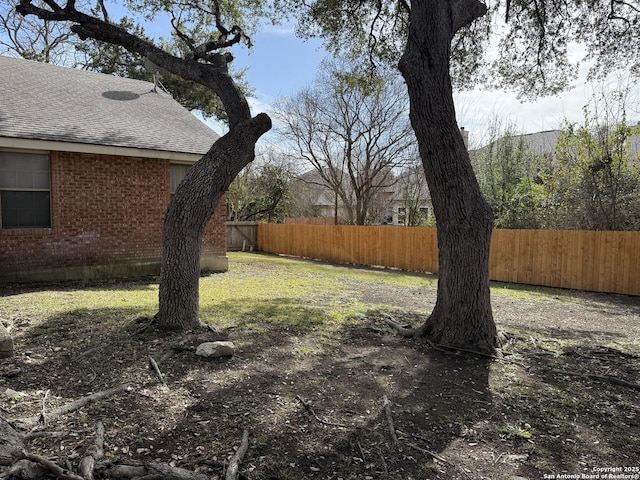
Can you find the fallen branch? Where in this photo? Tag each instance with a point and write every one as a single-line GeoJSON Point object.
{"type": "Point", "coordinates": [30, 422]}
{"type": "Point", "coordinates": [308, 408]}
{"type": "Point", "coordinates": [54, 468]}
{"type": "Point", "coordinates": [387, 411]}
{"type": "Point", "coordinates": [236, 459]}
{"type": "Point", "coordinates": [602, 378]}
{"type": "Point", "coordinates": [154, 366]}
{"type": "Point", "coordinates": [153, 471]}
{"type": "Point", "coordinates": [43, 413]}
{"type": "Point", "coordinates": [94, 453]}
{"type": "Point", "coordinates": [439, 458]}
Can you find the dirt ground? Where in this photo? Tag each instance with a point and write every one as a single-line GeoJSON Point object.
{"type": "Point", "coordinates": [562, 399]}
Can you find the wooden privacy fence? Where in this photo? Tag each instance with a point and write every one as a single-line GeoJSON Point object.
{"type": "Point", "coordinates": [242, 235]}
{"type": "Point", "coordinates": [583, 260]}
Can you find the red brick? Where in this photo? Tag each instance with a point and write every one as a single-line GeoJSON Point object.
{"type": "Point", "coordinates": [104, 210]}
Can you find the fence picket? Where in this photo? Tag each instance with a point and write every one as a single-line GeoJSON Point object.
{"type": "Point", "coordinates": [582, 260]}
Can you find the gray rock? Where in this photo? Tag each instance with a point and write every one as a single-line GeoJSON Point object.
{"type": "Point", "coordinates": [216, 349]}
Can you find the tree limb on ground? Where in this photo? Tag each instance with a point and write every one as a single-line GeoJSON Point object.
{"type": "Point", "coordinates": [94, 454]}
{"type": "Point", "coordinates": [156, 369]}
{"type": "Point", "coordinates": [602, 378]}
{"type": "Point", "coordinates": [31, 422]}
{"type": "Point", "coordinates": [308, 408]}
{"type": "Point", "coordinates": [387, 411]}
{"type": "Point", "coordinates": [236, 459]}
{"type": "Point", "coordinates": [439, 458]}
{"type": "Point", "coordinates": [54, 468]}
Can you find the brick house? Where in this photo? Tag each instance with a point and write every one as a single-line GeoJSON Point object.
{"type": "Point", "coordinates": [88, 163]}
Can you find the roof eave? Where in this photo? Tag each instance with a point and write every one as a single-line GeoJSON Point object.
{"type": "Point", "coordinates": [49, 145]}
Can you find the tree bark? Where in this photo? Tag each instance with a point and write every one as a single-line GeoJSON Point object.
{"type": "Point", "coordinates": [187, 216]}
{"type": "Point", "coordinates": [462, 315]}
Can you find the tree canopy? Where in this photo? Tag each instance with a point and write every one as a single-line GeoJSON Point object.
{"type": "Point", "coordinates": [533, 39]}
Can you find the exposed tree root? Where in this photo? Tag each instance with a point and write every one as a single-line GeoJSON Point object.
{"type": "Point", "coordinates": [150, 471]}
{"type": "Point", "coordinates": [33, 467]}
{"type": "Point", "coordinates": [94, 454]}
{"type": "Point", "coordinates": [147, 322]}
{"type": "Point", "coordinates": [401, 329]}
{"type": "Point", "coordinates": [57, 470]}
{"type": "Point", "coordinates": [11, 443]}
{"type": "Point", "coordinates": [419, 333]}
{"type": "Point", "coordinates": [30, 466]}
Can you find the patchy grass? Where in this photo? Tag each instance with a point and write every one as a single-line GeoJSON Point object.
{"type": "Point", "coordinates": [313, 331]}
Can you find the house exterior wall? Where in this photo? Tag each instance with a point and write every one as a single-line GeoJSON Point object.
{"type": "Point", "coordinates": [106, 221]}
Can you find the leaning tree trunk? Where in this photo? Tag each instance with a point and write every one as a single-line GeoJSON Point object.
{"type": "Point", "coordinates": [206, 182]}
{"type": "Point", "coordinates": [462, 315]}
{"type": "Point", "coordinates": [193, 204]}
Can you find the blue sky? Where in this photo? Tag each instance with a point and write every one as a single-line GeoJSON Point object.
{"type": "Point", "coordinates": [280, 64]}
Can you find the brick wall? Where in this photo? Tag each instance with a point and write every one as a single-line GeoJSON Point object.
{"type": "Point", "coordinates": [104, 210]}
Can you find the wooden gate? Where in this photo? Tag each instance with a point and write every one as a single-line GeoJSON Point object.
{"type": "Point", "coordinates": [242, 235]}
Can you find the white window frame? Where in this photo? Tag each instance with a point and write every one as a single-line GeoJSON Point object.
{"type": "Point", "coordinates": [13, 178]}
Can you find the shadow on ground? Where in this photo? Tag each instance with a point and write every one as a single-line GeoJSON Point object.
{"type": "Point", "coordinates": [310, 391]}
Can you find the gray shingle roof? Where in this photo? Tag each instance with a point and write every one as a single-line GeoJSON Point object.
{"type": "Point", "coordinates": [46, 102]}
{"type": "Point", "coordinates": [545, 142]}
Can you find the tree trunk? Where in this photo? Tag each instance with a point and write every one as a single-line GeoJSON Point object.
{"type": "Point", "coordinates": [462, 315]}
{"type": "Point", "coordinates": [193, 204]}
{"type": "Point", "coordinates": [206, 182]}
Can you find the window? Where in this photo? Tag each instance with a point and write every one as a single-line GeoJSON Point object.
{"type": "Point", "coordinates": [25, 192]}
{"type": "Point", "coordinates": [177, 174]}
{"type": "Point", "coordinates": [425, 211]}
{"type": "Point", "coordinates": [402, 215]}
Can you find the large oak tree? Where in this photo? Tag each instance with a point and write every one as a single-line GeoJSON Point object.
{"type": "Point", "coordinates": [203, 28]}
{"type": "Point", "coordinates": [435, 43]}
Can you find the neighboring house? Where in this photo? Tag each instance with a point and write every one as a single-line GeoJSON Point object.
{"type": "Point", "coordinates": [400, 203]}
{"type": "Point", "coordinates": [545, 142]}
{"type": "Point", "coordinates": [409, 200]}
{"type": "Point", "coordinates": [313, 199]}
{"type": "Point", "coordinates": [88, 163]}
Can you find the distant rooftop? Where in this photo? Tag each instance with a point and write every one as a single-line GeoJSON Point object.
{"type": "Point", "coordinates": [40, 101]}
{"type": "Point", "coordinates": [545, 142]}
